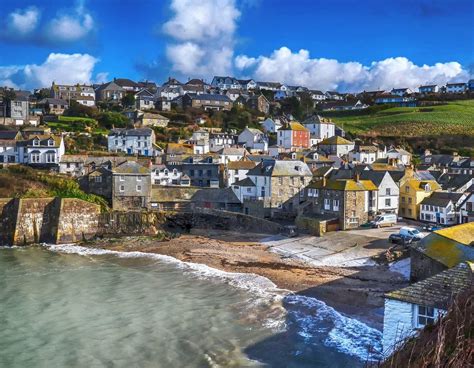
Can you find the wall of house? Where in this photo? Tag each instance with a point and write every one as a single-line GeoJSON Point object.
{"type": "Point", "coordinates": [422, 266]}
{"type": "Point", "coordinates": [397, 323]}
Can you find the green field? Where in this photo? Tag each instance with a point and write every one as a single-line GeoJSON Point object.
{"type": "Point", "coordinates": [76, 124]}
{"type": "Point", "coordinates": [454, 118]}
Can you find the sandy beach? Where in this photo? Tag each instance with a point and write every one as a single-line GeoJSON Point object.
{"type": "Point", "coordinates": [354, 291]}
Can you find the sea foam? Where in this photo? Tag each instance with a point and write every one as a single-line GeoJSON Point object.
{"type": "Point", "coordinates": [313, 318]}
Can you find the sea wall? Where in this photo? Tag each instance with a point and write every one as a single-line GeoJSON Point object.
{"type": "Point", "coordinates": [53, 220]}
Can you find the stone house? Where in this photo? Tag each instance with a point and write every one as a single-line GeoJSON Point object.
{"type": "Point", "coordinates": [440, 250]}
{"type": "Point", "coordinates": [258, 103]}
{"type": "Point", "coordinates": [144, 100]}
{"type": "Point", "coordinates": [163, 104]}
{"type": "Point", "coordinates": [110, 92]}
{"type": "Point", "coordinates": [279, 188]}
{"type": "Point", "coordinates": [412, 193]}
{"type": "Point", "coordinates": [81, 93]}
{"type": "Point", "coordinates": [335, 145]}
{"type": "Point", "coordinates": [412, 308]}
{"type": "Point", "coordinates": [442, 208]}
{"type": "Point", "coordinates": [352, 201]}
{"type": "Point", "coordinates": [140, 141]}
{"type": "Point", "coordinates": [148, 119]}
{"type": "Point", "coordinates": [131, 187]}
{"type": "Point", "coordinates": [54, 106]}
{"type": "Point", "coordinates": [203, 172]}
{"type": "Point", "coordinates": [17, 109]}
{"type": "Point", "coordinates": [98, 182]}
{"type": "Point", "coordinates": [207, 101]}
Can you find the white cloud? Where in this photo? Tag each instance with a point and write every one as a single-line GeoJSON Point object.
{"type": "Point", "coordinates": [298, 68]}
{"type": "Point", "coordinates": [69, 25]}
{"type": "Point", "coordinates": [203, 35]}
{"type": "Point", "coordinates": [23, 21]}
{"type": "Point", "coordinates": [60, 68]}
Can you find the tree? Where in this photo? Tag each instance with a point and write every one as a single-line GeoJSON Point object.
{"type": "Point", "coordinates": [42, 93]}
{"type": "Point", "coordinates": [109, 119]}
{"type": "Point", "coordinates": [128, 100]}
{"type": "Point", "coordinates": [76, 109]}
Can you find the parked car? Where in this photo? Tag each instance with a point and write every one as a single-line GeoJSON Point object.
{"type": "Point", "coordinates": [401, 239]}
{"type": "Point", "coordinates": [432, 228]}
{"type": "Point", "coordinates": [411, 232]}
{"type": "Point", "coordinates": [388, 219]}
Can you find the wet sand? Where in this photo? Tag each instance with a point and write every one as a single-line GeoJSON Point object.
{"type": "Point", "coordinates": [354, 291]}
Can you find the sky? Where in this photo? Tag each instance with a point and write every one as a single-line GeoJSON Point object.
{"type": "Point", "coordinates": [343, 45]}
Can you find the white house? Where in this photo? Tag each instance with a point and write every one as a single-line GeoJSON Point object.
{"type": "Point", "coordinates": [225, 82]}
{"type": "Point", "coordinates": [442, 207]}
{"type": "Point", "coordinates": [247, 84]}
{"type": "Point", "coordinates": [229, 154]}
{"type": "Point", "coordinates": [412, 308]}
{"type": "Point", "coordinates": [363, 154]}
{"type": "Point", "coordinates": [317, 95]}
{"type": "Point", "coordinates": [43, 150]}
{"type": "Point", "coordinates": [244, 189]}
{"type": "Point", "coordinates": [167, 176]}
{"type": "Point", "coordinates": [270, 125]}
{"type": "Point", "coordinates": [399, 156]}
{"type": "Point", "coordinates": [431, 88]}
{"type": "Point", "coordinates": [388, 191]}
{"type": "Point", "coordinates": [456, 87]}
{"type": "Point", "coordinates": [217, 141]}
{"type": "Point", "coordinates": [169, 93]}
{"type": "Point", "coordinates": [237, 170]}
{"type": "Point", "coordinates": [320, 128]}
{"type": "Point", "coordinates": [139, 141]}
{"type": "Point", "coordinates": [466, 211]}
{"type": "Point", "coordinates": [253, 139]}
{"type": "Point", "coordinates": [233, 94]}
{"type": "Point", "coordinates": [336, 145]}
{"type": "Point", "coordinates": [401, 91]}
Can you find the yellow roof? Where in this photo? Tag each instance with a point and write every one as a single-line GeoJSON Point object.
{"type": "Point", "coordinates": [294, 125]}
{"type": "Point", "coordinates": [335, 140]}
{"type": "Point", "coordinates": [418, 184]}
{"type": "Point", "coordinates": [463, 233]}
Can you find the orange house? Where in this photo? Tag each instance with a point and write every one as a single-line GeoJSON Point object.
{"type": "Point", "coordinates": [293, 136]}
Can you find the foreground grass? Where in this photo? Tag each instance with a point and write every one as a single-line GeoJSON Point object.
{"type": "Point", "coordinates": [454, 118]}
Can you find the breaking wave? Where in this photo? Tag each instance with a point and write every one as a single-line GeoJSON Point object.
{"type": "Point", "coordinates": [313, 320]}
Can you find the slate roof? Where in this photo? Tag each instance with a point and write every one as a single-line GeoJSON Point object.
{"type": "Point", "coordinates": [131, 167]}
{"type": "Point", "coordinates": [245, 183]}
{"type": "Point", "coordinates": [216, 195]}
{"type": "Point", "coordinates": [210, 97]}
{"type": "Point", "coordinates": [231, 151]}
{"type": "Point", "coordinates": [280, 168]}
{"type": "Point", "coordinates": [53, 101]}
{"type": "Point", "coordinates": [294, 125]}
{"type": "Point", "coordinates": [437, 291]}
{"type": "Point", "coordinates": [454, 181]}
{"type": "Point", "coordinates": [317, 119]}
{"type": "Point", "coordinates": [131, 132]}
{"type": "Point", "coordinates": [8, 134]}
{"type": "Point", "coordinates": [125, 82]}
{"type": "Point", "coordinates": [442, 199]}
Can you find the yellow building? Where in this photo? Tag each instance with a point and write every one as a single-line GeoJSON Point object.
{"type": "Point", "coordinates": [412, 192]}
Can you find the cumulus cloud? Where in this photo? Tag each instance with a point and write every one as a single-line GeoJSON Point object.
{"type": "Point", "coordinates": [22, 22]}
{"type": "Point", "coordinates": [68, 25]}
{"type": "Point", "coordinates": [203, 36]}
{"type": "Point", "coordinates": [60, 68]}
{"type": "Point", "coordinates": [298, 68]}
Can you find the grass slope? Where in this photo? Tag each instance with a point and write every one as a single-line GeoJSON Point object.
{"type": "Point", "coordinates": [454, 118]}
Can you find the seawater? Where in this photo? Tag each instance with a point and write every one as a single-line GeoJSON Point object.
{"type": "Point", "coordinates": [68, 306]}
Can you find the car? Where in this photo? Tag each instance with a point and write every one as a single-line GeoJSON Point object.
{"type": "Point", "coordinates": [387, 219]}
{"type": "Point", "coordinates": [432, 228]}
{"type": "Point", "coordinates": [401, 239]}
{"type": "Point", "coordinates": [411, 232]}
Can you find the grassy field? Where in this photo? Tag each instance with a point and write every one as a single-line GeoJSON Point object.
{"type": "Point", "coordinates": [455, 118]}
{"type": "Point", "coordinates": [76, 124]}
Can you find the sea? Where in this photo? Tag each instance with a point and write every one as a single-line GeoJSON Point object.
{"type": "Point", "coordinates": [70, 306]}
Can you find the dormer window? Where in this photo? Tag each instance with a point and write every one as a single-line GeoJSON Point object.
{"type": "Point", "coordinates": [51, 142]}
{"type": "Point", "coordinates": [427, 188]}
{"type": "Point", "coordinates": [36, 142]}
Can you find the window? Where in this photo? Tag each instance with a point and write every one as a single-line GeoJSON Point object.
{"type": "Point", "coordinates": [327, 203]}
{"type": "Point", "coordinates": [403, 199]}
{"type": "Point", "coordinates": [121, 178]}
{"type": "Point", "coordinates": [98, 179]}
{"type": "Point", "coordinates": [387, 191]}
{"type": "Point", "coordinates": [425, 316]}
{"type": "Point", "coordinates": [122, 188]}
{"type": "Point", "coordinates": [139, 188]}
{"type": "Point", "coordinates": [387, 202]}
{"type": "Point", "coordinates": [335, 205]}
{"type": "Point", "coordinates": [249, 190]}
{"type": "Point", "coordinates": [36, 142]}
{"type": "Point", "coordinates": [407, 189]}
{"type": "Point", "coordinates": [409, 200]}
{"type": "Point", "coordinates": [51, 142]}
{"type": "Point", "coordinates": [35, 158]}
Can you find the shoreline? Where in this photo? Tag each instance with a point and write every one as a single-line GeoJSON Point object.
{"type": "Point", "coordinates": [354, 291]}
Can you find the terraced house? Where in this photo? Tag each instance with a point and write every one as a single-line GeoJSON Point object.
{"type": "Point", "coordinates": [207, 101]}
{"type": "Point", "coordinates": [351, 201]}
{"type": "Point", "coordinates": [139, 141]}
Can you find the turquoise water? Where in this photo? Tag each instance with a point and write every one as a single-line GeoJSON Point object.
{"type": "Point", "coordinates": [105, 310]}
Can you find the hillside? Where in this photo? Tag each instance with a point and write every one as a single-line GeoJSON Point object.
{"type": "Point", "coordinates": [454, 118]}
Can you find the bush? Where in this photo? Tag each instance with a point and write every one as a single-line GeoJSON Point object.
{"type": "Point", "coordinates": [109, 119]}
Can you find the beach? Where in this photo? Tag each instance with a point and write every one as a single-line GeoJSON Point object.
{"type": "Point", "coordinates": [356, 291]}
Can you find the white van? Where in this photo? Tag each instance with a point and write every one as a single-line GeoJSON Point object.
{"type": "Point", "coordinates": [411, 232]}
{"type": "Point", "coordinates": [387, 219]}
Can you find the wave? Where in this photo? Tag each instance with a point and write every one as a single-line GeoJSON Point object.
{"type": "Point", "coordinates": [312, 317]}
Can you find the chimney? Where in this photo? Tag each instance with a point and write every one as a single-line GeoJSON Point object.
{"type": "Point", "coordinates": [357, 177]}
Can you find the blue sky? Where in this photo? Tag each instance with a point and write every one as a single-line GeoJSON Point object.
{"type": "Point", "coordinates": [250, 38]}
